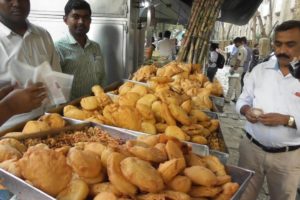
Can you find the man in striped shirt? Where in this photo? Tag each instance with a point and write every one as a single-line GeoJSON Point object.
{"type": "Point", "coordinates": [79, 55]}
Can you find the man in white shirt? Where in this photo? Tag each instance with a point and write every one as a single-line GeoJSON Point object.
{"type": "Point", "coordinates": [22, 42]}
{"type": "Point", "coordinates": [229, 50]}
{"type": "Point", "coordinates": [237, 63]}
{"type": "Point", "coordinates": [167, 47]}
{"type": "Point", "coordinates": [272, 108]}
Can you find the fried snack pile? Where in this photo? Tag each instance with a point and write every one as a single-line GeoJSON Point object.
{"type": "Point", "coordinates": [148, 168]}
{"type": "Point", "coordinates": [44, 123]}
{"type": "Point", "coordinates": [143, 109]}
{"type": "Point", "coordinates": [179, 77]}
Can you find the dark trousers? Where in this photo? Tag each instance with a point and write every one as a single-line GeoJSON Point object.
{"type": "Point", "coordinates": [211, 72]}
{"type": "Point", "coordinates": [242, 80]}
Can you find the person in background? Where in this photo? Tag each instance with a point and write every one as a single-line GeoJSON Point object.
{"type": "Point", "coordinates": [16, 101]}
{"type": "Point", "coordinates": [270, 104]}
{"type": "Point", "coordinates": [167, 47]}
{"type": "Point", "coordinates": [236, 70]}
{"type": "Point", "coordinates": [255, 57]}
{"type": "Point", "coordinates": [160, 36]}
{"type": "Point", "coordinates": [23, 42]}
{"type": "Point", "coordinates": [78, 54]}
{"type": "Point", "coordinates": [228, 51]}
{"type": "Point", "coordinates": [212, 61]}
{"type": "Point", "coordinates": [247, 61]}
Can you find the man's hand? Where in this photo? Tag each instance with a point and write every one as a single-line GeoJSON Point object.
{"type": "Point", "coordinates": [247, 111]}
{"type": "Point", "coordinates": [5, 90]}
{"type": "Point", "coordinates": [273, 119]}
{"type": "Point", "coordinates": [24, 100]}
{"type": "Point", "coordinates": [250, 116]}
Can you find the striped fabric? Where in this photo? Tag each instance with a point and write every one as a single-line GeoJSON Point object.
{"type": "Point", "coordinates": [86, 64]}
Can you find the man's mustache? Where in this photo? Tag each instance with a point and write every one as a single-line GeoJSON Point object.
{"type": "Point", "coordinates": [282, 55]}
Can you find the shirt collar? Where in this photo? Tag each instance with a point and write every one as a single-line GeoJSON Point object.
{"type": "Point", "coordinates": [7, 31]}
{"type": "Point", "coordinates": [72, 40]}
{"type": "Point", "coordinates": [275, 66]}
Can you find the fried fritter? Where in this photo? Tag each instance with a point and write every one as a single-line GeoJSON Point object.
{"type": "Point", "coordinates": [142, 174]}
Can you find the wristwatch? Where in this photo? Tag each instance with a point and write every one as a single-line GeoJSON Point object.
{"type": "Point", "coordinates": [291, 121]}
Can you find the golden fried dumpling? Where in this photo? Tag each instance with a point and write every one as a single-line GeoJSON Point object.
{"type": "Point", "coordinates": [35, 126]}
{"type": "Point", "coordinates": [144, 73]}
{"type": "Point", "coordinates": [105, 196]}
{"type": "Point", "coordinates": [75, 113]}
{"type": "Point", "coordinates": [11, 166]}
{"type": "Point", "coordinates": [140, 89]}
{"type": "Point", "coordinates": [85, 163]}
{"type": "Point", "coordinates": [54, 120]}
{"type": "Point", "coordinates": [128, 99]}
{"type": "Point", "coordinates": [179, 114]}
{"type": "Point", "coordinates": [145, 111]}
{"type": "Point", "coordinates": [148, 128]}
{"type": "Point", "coordinates": [108, 111]}
{"type": "Point", "coordinates": [175, 131]}
{"type": "Point", "coordinates": [199, 115]}
{"type": "Point", "coordinates": [126, 87]}
{"type": "Point", "coordinates": [97, 90]}
{"type": "Point", "coordinates": [8, 152]}
{"type": "Point", "coordinates": [171, 168]}
{"type": "Point", "coordinates": [147, 100]}
{"type": "Point", "coordinates": [201, 176]}
{"type": "Point", "coordinates": [89, 103]}
{"type": "Point", "coordinates": [46, 169]}
{"type": "Point", "coordinates": [95, 147]}
{"type": "Point", "coordinates": [166, 114]}
{"type": "Point", "coordinates": [14, 143]}
{"type": "Point", "coordinates": [116, 176]}
{"type": "Point", "coordinates": [127, 117]}
{"type": "Point", "coordinates": [104, 187]}
{"type": "Point", "coordinates": [142, 174]}
{"type": "Point", "coordinates": [175, 195]}
{"type": "Point", "coordinates": [76, 190]}
{"type": "Point", "coordinates": [180, 184]}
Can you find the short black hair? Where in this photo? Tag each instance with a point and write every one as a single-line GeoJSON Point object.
{"type": "Point", "coordinates": [214, 46]}
{"type": "Point", "coordinates": [287, 25]}
{"type": "Point", "coordinates": [160, 34]}
{"type": "Point", "coordinates": [167, 34]}
{"type": "Point", "coordinates": [77, 5]}
{"type": "Point", "coordinates": [244, 39]}
{"type": "Point", "coordinates": [237, 40]}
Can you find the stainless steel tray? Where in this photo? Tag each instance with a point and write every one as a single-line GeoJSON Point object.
{"type": "Point", "coordinates": [130, 134]}
{"type": "Point", "coordinates": [222, 155]}
{"type": "Point", "coordinates": [21, 189]}
{"type": "Point", "coordinates": [219, 102]}
{"type": "Point", "coordinates": [241, 176]}
{"type": "Point", "coordinates": [24, 191]}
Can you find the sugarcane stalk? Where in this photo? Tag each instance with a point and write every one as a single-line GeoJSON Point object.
{"type": "Point", "coordinates": [197, 7]}
{"type": "Point", "coordinates": [203, 16]}
{"type": "Point", "coordinates": [213, 17]}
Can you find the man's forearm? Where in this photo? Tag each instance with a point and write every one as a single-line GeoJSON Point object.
{"type": "Point", "coordinates": [6, 113]}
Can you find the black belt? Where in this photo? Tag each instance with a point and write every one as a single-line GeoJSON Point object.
{"type": "Point", "coordinates": [272, 149]}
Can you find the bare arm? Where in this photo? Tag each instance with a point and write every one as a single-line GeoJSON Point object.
{"type": "Point", "coordinates": [21, 101]}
